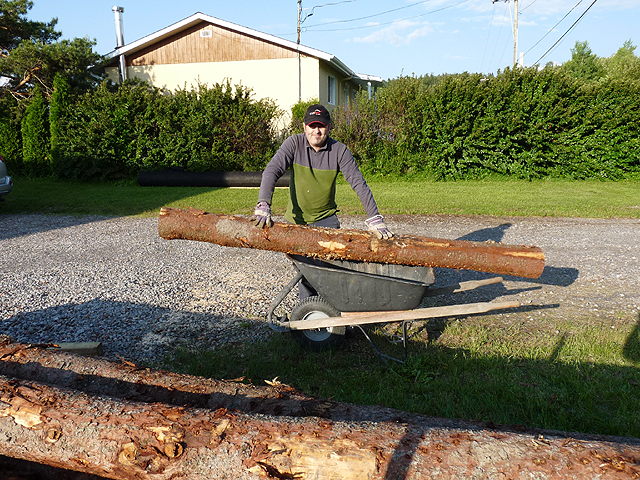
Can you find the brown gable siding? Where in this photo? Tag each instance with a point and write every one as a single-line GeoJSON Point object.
{"type": "Point", "coordinates": [223, 45]}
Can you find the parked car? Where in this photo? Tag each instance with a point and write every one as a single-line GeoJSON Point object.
{"type": "Point", "coordinates": [6, 184]}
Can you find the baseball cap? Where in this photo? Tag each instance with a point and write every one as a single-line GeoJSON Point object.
{"type": "Point", "coordinates": [317, 113]}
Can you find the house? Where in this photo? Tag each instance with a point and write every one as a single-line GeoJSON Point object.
{"type": "Point", "coordinates": [206, 50]}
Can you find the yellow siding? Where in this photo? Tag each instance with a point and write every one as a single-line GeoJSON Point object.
{"type": "Point", "coordinates": [273, 79]}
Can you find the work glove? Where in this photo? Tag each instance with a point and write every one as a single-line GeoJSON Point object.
{"type": "Point", "coordinates": [377, 226]}
{"type": "Point", "coordinates": [262, 215]}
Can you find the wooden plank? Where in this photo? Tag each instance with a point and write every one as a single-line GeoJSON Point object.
{"type": "Point", "coordinates": [82, 348]}
{"type": "Point", "coordinates": [363, 318]}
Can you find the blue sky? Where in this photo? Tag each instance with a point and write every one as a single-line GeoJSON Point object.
{"type": "Point", "coordinates": [412, 37]}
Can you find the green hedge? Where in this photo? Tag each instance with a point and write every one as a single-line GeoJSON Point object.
{"type": "Point", "coordinates": [524, 123]}
{"type": "Point", "coordinates": [118, 132]}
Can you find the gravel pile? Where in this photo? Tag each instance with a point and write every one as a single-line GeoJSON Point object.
{"type": "Point", "coordinates": [113, 280]}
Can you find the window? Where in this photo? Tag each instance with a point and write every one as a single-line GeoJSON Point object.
{"type": "Point", "coordinates": [331, 94]}
{"type": "Point", "coordinates": [346, 95]}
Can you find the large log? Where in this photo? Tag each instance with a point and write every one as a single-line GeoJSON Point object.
{"type": "Point", "coordinates": [123, 439]}
{"type": "Point", "coordinates": [126, 380]}
{"type": "Point", "coordinates": [344, 244]}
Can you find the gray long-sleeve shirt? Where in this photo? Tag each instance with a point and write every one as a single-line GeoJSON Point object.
{"type": "Point", "coordinates": [312, 186]}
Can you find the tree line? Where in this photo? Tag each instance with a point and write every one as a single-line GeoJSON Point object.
{"type": "Point", "coordinates": [59, 116]}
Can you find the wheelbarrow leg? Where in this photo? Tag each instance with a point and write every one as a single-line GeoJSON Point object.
{"type": "Point", "coordinates": [404, 338]}
{"type": "Point", "coordinates": [275, 324]}
{"type": "Point", "coordinates": [382, 356]}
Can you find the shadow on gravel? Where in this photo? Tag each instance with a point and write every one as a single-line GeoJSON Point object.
{"type": "Point", "coordinates": [19, 225]}
{"type": "Point", "coordinates": [558, 276]}
{"type": "Point", "coordinates": [136, 332]}
{"type": "Point", "coordinates": [494, 234]}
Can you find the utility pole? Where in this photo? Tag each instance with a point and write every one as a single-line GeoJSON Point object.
{"type": "Point", "coordinates": [299, 60]}
{"type": "Point", "coordinates": [515, 33]}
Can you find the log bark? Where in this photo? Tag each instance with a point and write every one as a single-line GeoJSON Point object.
{"type": "Point", "coordinates": [125, 439]}
{"type": "Point", "coordinates": [47, 364]}
{"type": "Point", "coordinates": [344, 244]}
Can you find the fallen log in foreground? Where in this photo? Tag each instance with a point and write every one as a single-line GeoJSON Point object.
{"type": "Point", "coordinates": [123, 439]}
{"type": "Point", "coordinates": [343, 244]}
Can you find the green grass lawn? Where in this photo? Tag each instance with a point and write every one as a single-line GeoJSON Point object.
{"type": "Point", "coordinates": [580, 379]}
{"type": "Point", "coordinates": [573, 375]}
{"type": "Point", "coordinates": [497, 197]}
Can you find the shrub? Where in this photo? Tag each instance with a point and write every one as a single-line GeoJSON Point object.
{"type": "Point", "coordinates": [10, 139]}
{"type": "Point", "coordinates": [116, 132]}
{"type": "Point", "coordinates": [297, 115]}
{"type": "Point", "coordinates": [35, 136]}
{"type": "Point", "coordinates": [58, 106]}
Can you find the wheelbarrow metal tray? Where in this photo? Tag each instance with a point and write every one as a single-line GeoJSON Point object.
{"type": "Point", "coordinates": [351, 286]}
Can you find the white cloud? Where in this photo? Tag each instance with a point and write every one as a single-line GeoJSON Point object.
{"type": "Point", "coordinates": [419, 32]}
{"type": "Point", "coordinates": [398, 33]}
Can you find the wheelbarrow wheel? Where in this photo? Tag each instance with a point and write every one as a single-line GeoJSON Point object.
{"type": "Point", "coordinates": [317, 339]}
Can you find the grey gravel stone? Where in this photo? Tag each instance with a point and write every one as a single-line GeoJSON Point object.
{"type": "Point", "coordinates": [114, 280]}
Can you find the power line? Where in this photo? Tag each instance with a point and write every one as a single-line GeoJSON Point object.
{"type": "Point", "coordinates": [551, 29]}
{"type": "Point", "coordinates": [523, 9]}
{"type": "Point", "coordinates": [565, 33]}
{"type": "Point", "coordinates": [500, 29]}
{"type": "Point", "coordinates": [369, 16]}
{"type": "Point", "coordinates": [325, 5]}
{"type": "Point", "coordinates": [493, 10]}
{"type": "Point", "coordinates": [382, 24]}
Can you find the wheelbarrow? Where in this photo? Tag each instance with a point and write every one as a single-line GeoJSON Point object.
{"type": "Point", "coordinates": [356, 294]}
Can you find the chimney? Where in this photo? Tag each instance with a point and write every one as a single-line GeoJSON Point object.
{"type": "Point", "coordinates": [118, 11]}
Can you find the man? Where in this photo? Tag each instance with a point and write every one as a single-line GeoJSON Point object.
{"type": "Point", "coordinates": [315, 159]}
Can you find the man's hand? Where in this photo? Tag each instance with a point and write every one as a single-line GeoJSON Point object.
{"type": "Point", "coordinates": [262, 215]}
{"type": "Point", "coordinates": [377, 226]}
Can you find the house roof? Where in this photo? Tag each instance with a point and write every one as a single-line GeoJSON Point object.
{"type": "Point", "coordinates": [198, 17]}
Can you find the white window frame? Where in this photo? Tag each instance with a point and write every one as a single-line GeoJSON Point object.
{"type": "Point", "coordinates": [346, 95]}
{"type": "Point", "coordinates": [331, 90]}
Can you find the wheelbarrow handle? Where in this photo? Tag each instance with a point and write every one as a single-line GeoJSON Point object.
{"type": "Point", "coordinates": [362, 318]}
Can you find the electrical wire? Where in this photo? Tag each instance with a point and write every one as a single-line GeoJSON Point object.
{"type": "Point", "coordinates": [523, 9]}
{"type": "Point", "coordinates": [565, 33]}
{"type": "Point", "coordinates": [508, 5]}
{"type": "Point", "coordinates": [493, 10]}
{"type": "Point", "coordinates": [324, 5]}
{"type": "Point", "coordinates": [369, 16]}
{"type": "Point", "coordinates": [552, 28]}
{"type": "Point", "coordinates": [383, 24]}
{"type": "Point", "coordinates": [498, 38]}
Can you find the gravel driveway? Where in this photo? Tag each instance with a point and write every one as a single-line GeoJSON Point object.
{"type": "Point", "coordinates": [80, 279]}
